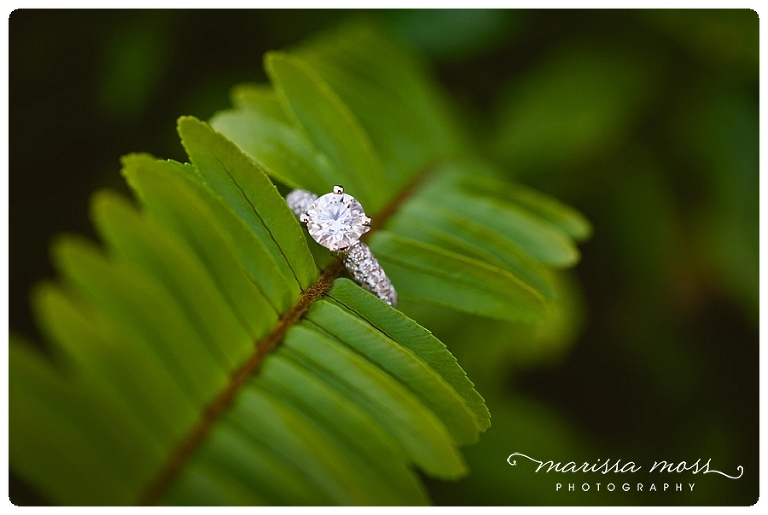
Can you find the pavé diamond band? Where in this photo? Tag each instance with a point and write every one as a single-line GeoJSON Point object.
{"type": "Point", "coordinates": [337, 221]}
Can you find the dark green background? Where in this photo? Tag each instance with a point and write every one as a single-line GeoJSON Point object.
{"type": "Point", "coordinates": [647, 121]}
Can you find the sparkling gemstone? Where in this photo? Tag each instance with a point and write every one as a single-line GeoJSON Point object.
{"type": "Point", "coordinates": [336, 221]}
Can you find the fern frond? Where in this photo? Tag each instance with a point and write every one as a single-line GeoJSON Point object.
{"type": "Point", "coordinates": [209, 357]}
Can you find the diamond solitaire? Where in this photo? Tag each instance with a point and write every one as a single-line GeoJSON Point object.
{"type": "Point", "coordinates": [336, 220]}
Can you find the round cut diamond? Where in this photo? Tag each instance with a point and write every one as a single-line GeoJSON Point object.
{"type": "Point", "coordinates": [336, 221]}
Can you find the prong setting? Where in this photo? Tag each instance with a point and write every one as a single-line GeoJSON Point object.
{"type": "Point", "coordinates": [337, 221]}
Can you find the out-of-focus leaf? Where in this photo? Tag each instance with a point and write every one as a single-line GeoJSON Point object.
{"type": "Point", "coordinates": [160, 253]}
{"type": "Point", "coordinates": [392, 96]}
{"type": "Point", "coordinates": [119, 369]}
{"type": "Point", "coordinates": [331, 126]}
{"type": "Point", "coordinates": [162, 334]}
{"type": "Point", "coordinates": [65, 434]}
{"type": "Point", "coordinates": [279, 148]}
{"type": "Point", "coordinates": [207, 486]}
{"type": "Point", "coordinates": [438, 276]}
{"type": "Point", "coordinates": [259, 98]}
{"type": "Point", "coordinates": [576, 106]}
{"type": "Point", "coordinates": [432, 223]}
{"type": "Point", "coordinates": [509, 347]}
{"type": "Point", "coordinates": [547, 208]}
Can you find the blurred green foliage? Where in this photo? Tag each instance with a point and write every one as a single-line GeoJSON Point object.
{"type": "Point", "coordinates": [573, 107]}
{"type": "Point", "coordinates": [647, 121]}
{"type": "Point", "coordinates": [135, 59]}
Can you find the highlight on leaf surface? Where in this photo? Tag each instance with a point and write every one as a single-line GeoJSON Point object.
{"type": "Point", "coordinates": [208, 356]}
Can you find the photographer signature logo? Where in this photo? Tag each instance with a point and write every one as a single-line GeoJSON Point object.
{"type": "Point", "coordinates": [618, 467]}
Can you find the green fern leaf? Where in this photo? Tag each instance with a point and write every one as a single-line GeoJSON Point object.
{"type": "Point", "coordinates": [210, 354]}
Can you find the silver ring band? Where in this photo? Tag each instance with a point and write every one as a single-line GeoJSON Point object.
{"type": "Point", "coordinates": [367, 272]}
{"type": "Point", "coordinates": [358, 258]}
{"type": "Point", "coordinates": [300, 200]}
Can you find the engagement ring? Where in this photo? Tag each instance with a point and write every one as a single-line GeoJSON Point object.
{"type": "Point", "coordinates": [337, 222]}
